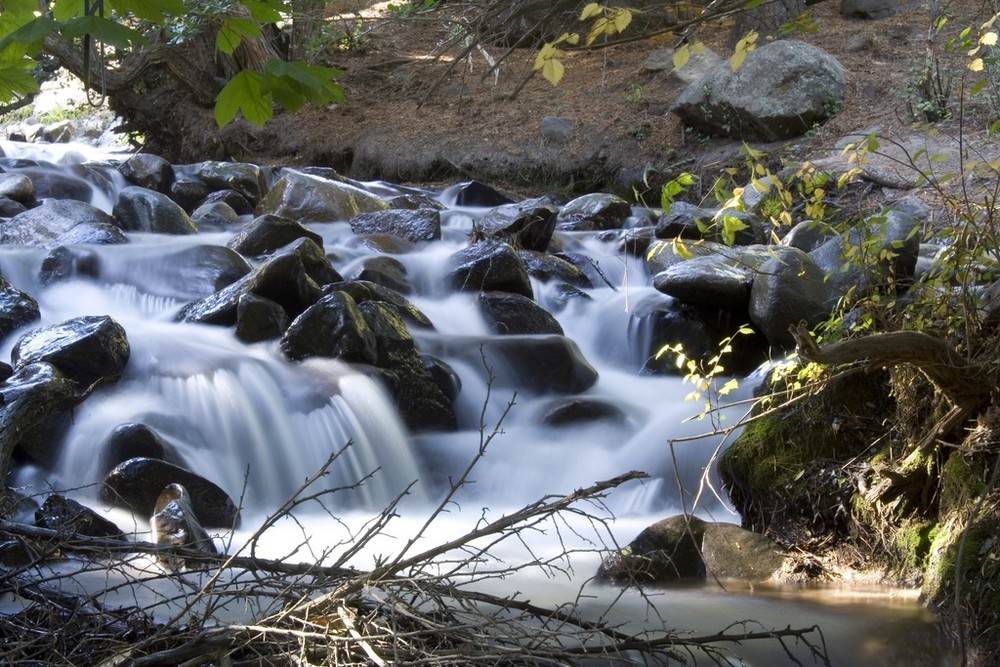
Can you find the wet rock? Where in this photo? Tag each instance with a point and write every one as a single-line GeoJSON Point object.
{"type": "Point", "coordinates": [136, 484]}
{"type": "Point", "coordinates": [489, 266]}
{"type": "Point", "coordinates": [34, 401]}
{"type": "Point", "coordinates": [571, 411]}
{"type": "Point", "coordinates": [17, 309]}
{"type": "Point", "coordinates": [422, 403]}
{"type": "Point", "coordinates": [712, 281]}
{"type": "Point", "coordinates": [381, 243]}
{"type": "Point", "coordinates": [175, 523]}
{"type": "Point", "coordinates": [9, 208]}
{"type": "Point", "coordinates": [546, 267]}
{"type": "Point", "coordinates": [63, 263]}
{"type": "Point", "coordinates": [788, 289]}
{"type": "Point", "coordinates": [192, 273]}
{"type": "Point", "coordinates": [334, 327]}
{"type": "Point", "coordinates": [139, 209]}
{"type": "Point", "coordinates": [217, 215]}
{"type": "Point", "coordinates": [592, 212]}
{"type": "Point", "coordinates": [891, 243]}
{"type": "Point", "coordinates": [17, 187]}
{"type": "Point", "coordinates": [683, 220]}
{"type": "Point", "coordinates": [685, 548]}
{"type": "Point", "coordinates": [475, 194]}
{"type": "Point", "coordinates": [68, 517]}
{"type": "Point", "coordinates": [231, 198]}
{"type": "Point", "coordinates": [423, 224]}
{"type": "Point", "coordinates": [247, 179]}
{"type": "Point", "coordinates": [267, 233]}
{"type": "Point", "coordinates": [528, 224]}
{"type": "Point", "coordinates": [310, 199]}
{"type": "Point", "coordinates": [259, 319]}
{"type": "Point", "coordinates": [362, 291]}
{"type": "Point", "coordinates": [148, 171]}
{"type": "Point", "coordinates": [513, 314]}
{"type": "Point", "coordinates": [86, 349]}
{"type": "Point", "coordinates": [68, 184]}
{"type": "Point", "coordinates": [188, 192]}
{"type": "Point", "coordinates": [91, 234]}
{"type": "Point", "coordinates": [782, 89]}
{"type": "Point", "coordinates": [534, 365]}
{"type": "Point", "coordinates": [386, 271]}
{"type": "Point", "coordinates": [50, 220]}
{"type": "Point", "coordinates": [128, 441]}
{"type": "Point", "coordinates": [287, 278]}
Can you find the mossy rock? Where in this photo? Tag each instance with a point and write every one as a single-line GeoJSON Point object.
{"type": "Point", "coordinates": [785, 472]}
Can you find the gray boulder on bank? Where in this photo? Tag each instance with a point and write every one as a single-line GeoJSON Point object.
{"type": "Point", "coordinates": [780, 91]}
{"type": "Point", "coordinates": [685, 548]}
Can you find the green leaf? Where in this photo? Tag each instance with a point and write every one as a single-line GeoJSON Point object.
{"type": "Point", "coordinates": [265, 11]}
{"type": "Point", "coordinates": [64, 10]}
{"type": "Point", "coordinates": [103, 30]}
{"type": "Point", "coordinates": [243, 94]}
{"type": "Point", "coordinates": [292, 84]}
{"type": "Point", "coordinates": [150, 10]}
{"type": "Point", "coordinates": [34, 31]}
{"type": "Point", "coordinates": [234, 30]}
{"type": "Point", "coordinates": [16, 80]}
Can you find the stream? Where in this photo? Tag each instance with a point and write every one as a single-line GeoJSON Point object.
{"type": "Point", "coordinates": [258, 425]}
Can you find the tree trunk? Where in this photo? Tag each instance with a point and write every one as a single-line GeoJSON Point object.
{"type": "Point", "coordinates": [167, 93]}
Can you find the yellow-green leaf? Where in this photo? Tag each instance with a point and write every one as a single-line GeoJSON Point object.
{"type": "Point", "coordinates": [681, 56]}
{"type": "Point", "coordinates": [590, 11]}
{"type": "Point", "coordinates": [553, 71]}
{"type": "Point", "coordinates": [620, 19]}
{"type": "Point", "coordinates": [976, 65]}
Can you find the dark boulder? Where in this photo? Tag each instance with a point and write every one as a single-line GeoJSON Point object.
{"type": "Point", "coordinates": [132, 440]}
{"type": "Point", "coordinates": [362, 291]}
{"type": "Point", "coordinates": [593, 212]}
{"type": "Point", "coordinates": [267, 233]}
{"type": "Point", "coordinates": [573, 410]}
{"type": "Point", "coordinates": [19, 188]}
{"type": "Point", "coordinates": [139, 209]}
{"type": "Point", "coordinates": [422, 224]}
{"type": "Point", "coordinates": [545, 267]}
{"type": "Point", "coordinates": [68, 517]}
{"type": "Point", "coordinates": [474, 194]}
{"type": "Point", "coordinates": [215, 216]}
{"type": "Point", "coordinates": [85, 349]}
{"type": "Point", "coordinates": [17, 309]}
{"type": "Point", "coordinates": [247, 179]}
{"type": "Point", "coordinates": [422, 402]}
{"type": "Point", "coordinates": [50, 220]}
{"type": "Point", "coordinates": [383, 270]}
{"type": "Point", "coordinates": [534, 365]}
{"type": "Point", "coordinates": [34, 411]}
{"type": "Point", "coordinates": [489, 266]}
{"type": "Point", "coordinates": [149, 171]}
{"type": "Point", "coordinates": [334, 327]}
{"type": "Point", "coordinates": [136, 484]}
{"type": "Point", "coordinates": [685, 548]}
{"type": "Point", "coordinates": [259, 319]}
{"type": "Point", "coordinates": [788, 289]}
{"type": "Point", "coordinates": [513, 314]}
{"type": "Point", "coordinates": [311, 199]}
{"type": "Point", "coordinates": [528, 224]}
{"type": "Point", "coordinates": [713, 281]}
{"type": "Point", "coordinates": [65, 262]}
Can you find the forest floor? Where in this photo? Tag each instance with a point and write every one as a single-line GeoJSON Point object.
{"type": "Point", "coordinates": [413, 113]}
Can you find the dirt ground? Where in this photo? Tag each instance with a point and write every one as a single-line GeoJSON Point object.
{"type": "Point", "coordinates": [413, 113]}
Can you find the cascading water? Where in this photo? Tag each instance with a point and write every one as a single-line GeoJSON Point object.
{"type": "Point", "coordinates": [258, 425]}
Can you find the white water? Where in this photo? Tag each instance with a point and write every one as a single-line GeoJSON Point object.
{"type": "Point", "coordinates": [258, 426]}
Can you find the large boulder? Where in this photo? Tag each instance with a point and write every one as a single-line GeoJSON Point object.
{"type": "Point", "coordinates": [528, 224]}
{"type": "Point", "coordinates": [594, 211]}
{"type": "Point", "coordinates": [17, 309]}
{"type": "Point", "coordinates": [292, 277]}
{"type": "Point", "coordinates": [490, 266]}
{"type": "Point", "coordinates": [266, 233]}
{"type": "Point", "coordinates": [512, 314]}
{"type": "Point", "coordinates": [194, 272]}
{"type": "Point", "coordinates": [788, 288]}
{"type": "Point", "coordinates": [780, 91]}
{"type": "Point", "coordinates": [247, 179]}
{"type": "Point", "coordinates": [51, 220]}
{"type": "Point", "coordinates": [35, 402]}
{"type": "Point", "coordinates": [149, 171]}
{"type": "Point", "coordinates": [335, 327]}
{"type": "Point", "coordinates": [533, 365]}
{"type": "Point", "coordinates": [139, 209]}
{"type": "Point", "coordinates": [422, 224]}
{"type": "Point", "coordinates": [86, 349]}
{"type": "Point", "coordinates": [714, 281]}
{"type": "Point", "coordinates": [312, 199]}
{"type": "Point", "coordinates": [686, 548]}
{"type": "Point", "coordinates": [137, 483]}
{"type": "Point", "coordinates": [69, 517]}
